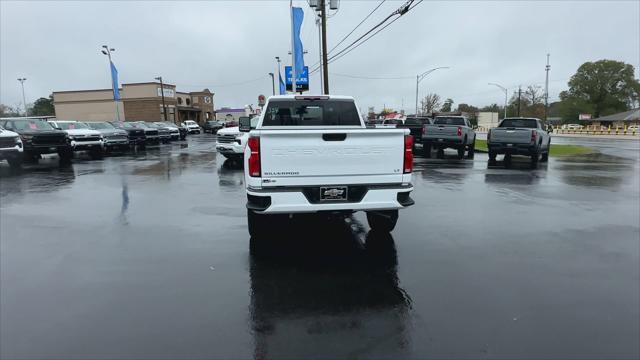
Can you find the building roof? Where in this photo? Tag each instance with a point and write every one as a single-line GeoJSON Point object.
{"type": "Point", "coordinates": [229, 110]}
{"type": "Point", "coordinates": [630, 115]}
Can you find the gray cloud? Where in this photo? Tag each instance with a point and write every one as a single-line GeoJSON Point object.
{"type": "Point", "coordinates": [220, 43]}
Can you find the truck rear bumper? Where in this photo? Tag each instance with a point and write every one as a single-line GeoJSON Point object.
{"type": "Point", "coordinates": [513, 149]}
{"type": "Point", "coordinates": [443, 142]}
{"type": "Point", "coordinates": [305, 199]}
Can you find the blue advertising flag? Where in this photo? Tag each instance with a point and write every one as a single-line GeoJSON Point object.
{"type": "Point", "coordinates": [114, 82]}
{"type": "Point", "coordinates": [283, 90]}
{"type": "Point", "coordinates": [298, 16]}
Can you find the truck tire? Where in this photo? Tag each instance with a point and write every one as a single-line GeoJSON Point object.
{"type": "Point", "coordinates": [545, 155]}
{"type": "Point", "coordinates": [534, 159]}
{"type": "Point", "coordinates": [426, 148]}
{"type": "Point", "coordinates": [507, 161]}
{"type": "Point", "coordinates": [462, 148]}
{"type": "Point", "coordinates": [440, 153]}
{"type": "Point", "coordinates": [15, 162]}
{"type": "Point", "coordinates": [472, 149]}
{"type": "Point", "coordinates": [492, 157]}
{"type": "Point", "coordinates": [259, 224]}
{"type": "Point", "coordinates": [30, 157]}
{"type": "Point", "coordinates": [65, 156]}
{"type": "Point", "coordinates": [384, 220]}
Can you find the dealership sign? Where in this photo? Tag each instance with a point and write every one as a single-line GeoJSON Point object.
{"type": "Point", "coordinates": [302, 80]}
{"type": "Point", "coordinates": [584, 117]}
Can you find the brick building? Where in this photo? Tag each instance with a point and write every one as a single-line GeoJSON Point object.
{"type": "Point", "coordinates": [138, 101]}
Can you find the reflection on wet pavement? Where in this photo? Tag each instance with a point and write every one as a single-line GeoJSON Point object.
{"type": "Point", "coordinates": [147, 255]}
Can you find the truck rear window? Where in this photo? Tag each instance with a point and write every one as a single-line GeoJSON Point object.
{"type": "Point", "coordinates": [519, 123]}
{"type": "Point", "coordinates": [311, 113]}
{"type": "Point", "coordinates": [449, 121]}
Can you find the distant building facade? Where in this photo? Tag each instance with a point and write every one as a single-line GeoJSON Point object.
{"type": "Point", "coordinates": [620, 120]}
{"type": "Point", "coordinates": [138, 101]}
{"type": "Point", "coordinates": [230, 114]}
{"type": "Point", "coordinates": [487, 120]}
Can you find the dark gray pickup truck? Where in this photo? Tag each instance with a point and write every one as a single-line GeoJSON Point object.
{"type": "Point", "coordinates": [449, 132]}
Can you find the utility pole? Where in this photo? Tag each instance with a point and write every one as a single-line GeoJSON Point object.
{"type": "Point", "coordinates": [273, 83]}
{"type": "Point", "coordinates": [325, 64]}
{"type": "Point", "coordinates": [294, 84]}
{"type": "Point", "coordinates": [519, 94]}
{"type": "Point", "coordinates": [320, 54]}
{"type": "Point", "coordinates": [24, 101]}
{"type": "Point", "coordinates": [164, 107]}
{"type": "Point", "coordinates": [546, 90]}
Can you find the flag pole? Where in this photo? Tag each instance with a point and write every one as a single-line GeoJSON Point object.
{"type": "Point", "coordinates": [294, 86]}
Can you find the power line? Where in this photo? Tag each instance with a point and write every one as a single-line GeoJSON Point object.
{"type": "Point", "coordinates": [374, 77]}
{"type": "Point", "coordinates": [401, 11]}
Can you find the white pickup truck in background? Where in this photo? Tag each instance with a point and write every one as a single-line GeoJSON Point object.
{"type": "Point", "coordinates": [313, 154]}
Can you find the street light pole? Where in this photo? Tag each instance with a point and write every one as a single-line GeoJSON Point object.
{"type": "Point", "coordinates": [107, 51]}
{"type": "Point", "coordinates": [546, 90]}
{"type": "Point", "coordinates": [505, 97]}
{"type": "Point", "coordinates": [421, 77]}
{"type": "Point", "coordinates": [24, 101]}
{"type": "Point", "coordinates": [273, 83]}
{"type": "Point", "coordinates": [164, 107]}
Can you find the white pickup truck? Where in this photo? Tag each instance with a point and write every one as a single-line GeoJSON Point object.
{"type": "Point", "coordinates": [312, 154]}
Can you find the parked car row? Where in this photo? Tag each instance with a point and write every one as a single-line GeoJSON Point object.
{"type": "Point", "coordinates": [26, 139]}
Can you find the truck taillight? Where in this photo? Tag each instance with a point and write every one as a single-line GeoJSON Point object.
{"type": "Point", "coordinates": [459, 131]}
{"type": "Point", "coordinates": [408, 154]}
{"type": "Point", "coordinates": [533, 136]}
{"type": "Point", "coordinates": [254, 157]}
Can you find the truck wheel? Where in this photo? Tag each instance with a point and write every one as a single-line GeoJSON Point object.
{"type": "Point", "coordinates": [545, 156]}
{"type": "Point", "coordinates": [384, 220]}
{"type": "Point", "coordinates": [15, 162]}
{"type": "Point", "coordinates": [507, 160]}
{"type": "Point", "coordinates": [426, 148]}
{"type": "Point", "coordinates": [534, 159]}
{"type": "Point", "coordinates": [472, 149]}
{"type": "Point", "coordinates": [461, 150]}
{"type": "Point", "coordinates": [440, 153]}
{"type": "Point", "coordinates": [492, 157]}
{"type": "Point", "coordinates": [30, 157]}
{"type": "Point", "coordinates": [258, 224]}
{"type": "Point", "coordinates": [65, 156]}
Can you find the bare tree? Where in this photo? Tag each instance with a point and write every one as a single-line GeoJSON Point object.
{"type": "Point", "coordinates": [534, 94]}
{"type": "Point", "coordinates": [430, 103]}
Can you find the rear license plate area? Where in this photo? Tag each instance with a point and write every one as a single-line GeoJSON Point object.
{"type": "Point", "coordinates": [333, 193]}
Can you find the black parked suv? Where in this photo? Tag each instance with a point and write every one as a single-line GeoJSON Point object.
{"type": "Point", "coordinates": [212, 126]}
{"type": "Point", "coordinates": [136, 135]}
{"type": "Point", "coordinates": [39, 137]}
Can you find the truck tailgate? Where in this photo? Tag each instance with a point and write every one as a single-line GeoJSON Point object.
{"type": "Point", "coordinates": [510, 135]}
{"type": "Point", "coordinates": [314, 157]}
{"type": "Point", "coordinates": [440, 131]}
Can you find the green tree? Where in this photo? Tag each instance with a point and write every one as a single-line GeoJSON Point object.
{"type": "Point", "coordinates": [43, 107]}
{"type": "Point", "coordinates": [448, 105]}
{"type": "Point", "coordinates": [8, 111]}
{"type": "Point", "coordinates": [606, 86]}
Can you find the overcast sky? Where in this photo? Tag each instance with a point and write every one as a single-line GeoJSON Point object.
{"type": "Point", "coordinates": [218, 44]}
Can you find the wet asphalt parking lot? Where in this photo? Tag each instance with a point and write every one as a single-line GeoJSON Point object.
{"type": "Point", "coordinates": [146, 256]}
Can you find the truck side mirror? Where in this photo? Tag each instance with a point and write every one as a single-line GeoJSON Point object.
{"type": "Point", "coordinates": [245, 124]}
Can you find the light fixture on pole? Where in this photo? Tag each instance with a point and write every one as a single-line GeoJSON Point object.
{"type": "Point", "coordinates": [505, 97]}
{"type": "Point", "coordinates": [421, 77]}
{"type": "Point", "coordinates": [24, 101]}
{"type": "Point", "coordinates": [164, 107]}
{"type": "Point", "coordinates": [273, 83]}
{"type": "Point", "coordinates": [106, 50]}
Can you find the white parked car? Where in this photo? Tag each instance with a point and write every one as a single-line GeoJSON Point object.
{"type": "Point", "coordinates": [11, 148]}
{"type": "Point", "coordinates": [230, 142]}
{"type": "Point", "coordinates": [191, 126]}
{"type": "Point", "coordinates": [82, 137]}
{"type": "Point", "coordinates": [313, 153]}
